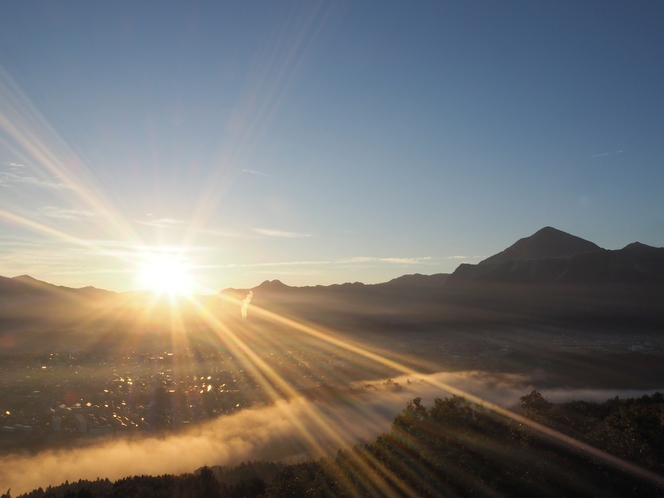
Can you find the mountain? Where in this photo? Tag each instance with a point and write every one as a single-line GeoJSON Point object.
{"type": "Point", "coordinates": [26, 285]}
{"type": "Point", "coordinates": [544, 244]}
{"type": "Point", "coordinates": [553, 277]}
{"type": "Point", "coordinates": [409, 300]}
{"type": "Point", "coordinates": [413, 281]}
{"type": "Point", "coordinates": [553, 256]}
{"type": "Point", "coordinates": [418, 281]}
{"type": "Point", "coordinates": [38, 316]}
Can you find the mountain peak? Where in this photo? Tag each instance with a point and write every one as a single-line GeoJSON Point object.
{"type": "Point", "coordinates": [638, 246]}
{"type": "Point", "coordinates": [25, 278]}
{"type": "Point", "coordinates": [548, 242]}
{"type": "Point", "coordinates": [272, 285]}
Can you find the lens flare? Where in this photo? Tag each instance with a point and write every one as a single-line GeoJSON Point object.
{"type": "Point", "coordinates": [165, 274]}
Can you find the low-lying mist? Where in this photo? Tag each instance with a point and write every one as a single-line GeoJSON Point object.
{"type": "Point", "coordinates": [287, 430]}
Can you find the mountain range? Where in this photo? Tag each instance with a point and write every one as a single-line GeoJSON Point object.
{"type": "Point", "coordinates": [550, 278]}
{"type": "Point", "coordinates": [550, 256]}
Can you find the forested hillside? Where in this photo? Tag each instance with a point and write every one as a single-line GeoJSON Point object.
{"type": "Point", "coordinates": [452, 448]}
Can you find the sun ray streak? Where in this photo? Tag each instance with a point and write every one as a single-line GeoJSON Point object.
{"type": "Point", "coordinates": [267, 376]}
{"type": "Point", "coordinates": [36, 139]}
{"type": "Point", "coordinates": [561, 438]}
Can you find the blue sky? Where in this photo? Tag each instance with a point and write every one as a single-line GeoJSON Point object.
{"type": "Point", "coordinates": [321, 142]}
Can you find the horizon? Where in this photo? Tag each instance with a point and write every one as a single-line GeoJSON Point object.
{"type": "Point", "coordinates": [225, 288]}
{"type": "Point", "coordinates": [205, 147]}
{"type": "Point", "coordinates": [174, 291]}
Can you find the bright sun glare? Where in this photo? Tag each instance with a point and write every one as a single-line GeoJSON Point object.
{"type": "Point", "coordinates": [165, 274]}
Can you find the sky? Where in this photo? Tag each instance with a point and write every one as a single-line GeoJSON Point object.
{"type": "Point", "coordinates": [320, 142]}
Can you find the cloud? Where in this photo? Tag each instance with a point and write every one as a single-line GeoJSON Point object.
{"type": "Point", "coordinates": [457, 257]}
{"type": "Point", "coordinates": [5, 182]}
{"type": "Point", "coordinates": [130, 252]}
{"type": "Point", "coordinates": [358, 259]}
{"type": "Point", "coordinates": [345, 261]}
{"type": "Point", "coordinates": [162, 223]}
{"type": "Point", "coordinates": [173, 223]}
{"type": "Point", "coordinates": [67, 214]}
{"type": "Point", "coordinates": [254, 172]}
{"type": "Point", "coordinates": [8, 178]}
{"type": "Point", "coordinates": [13, 165]}
{"type": "Point", "coordinates": [402, 261]}
{"type": "Point", "coordinates": [276, 263]}
{"type": "Point", "coordinates": [405, 261]}
{"type": "Point", "coordinates": [245, 304]}
{"type": "Point", "coordinates": [604, 154]}
{"type": "Point", "coordinates": [220, 233]}
{"type": "Point", "coordinates": [94, 271]}
{"type": "Point", "coordinates": [281, 233]}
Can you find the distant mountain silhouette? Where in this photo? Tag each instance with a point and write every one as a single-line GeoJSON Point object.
{"type": "Point", "coordinates": [551, 277]}
{"type": "Point", "coordinates": [551, 255]}
{"type": "Point", "coordinates": [556, 278]}
{"type": "Point", "coordinates": [26, 285]}
{"type": "Point", "coordinates": [417, 280]}
{"type": "Point", "coordinates": [543, 244]}
{"type": "Point", "coordinates": [414, 281]}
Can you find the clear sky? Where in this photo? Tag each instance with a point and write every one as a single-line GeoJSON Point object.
{"type": "Point", "coordinates": [321, 142]}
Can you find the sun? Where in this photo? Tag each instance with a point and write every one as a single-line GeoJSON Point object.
{"type": "Point", "coordinates": [165, 274]}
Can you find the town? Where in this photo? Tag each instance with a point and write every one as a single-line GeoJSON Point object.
{"type": "Point", "coordinates": [66, 398]}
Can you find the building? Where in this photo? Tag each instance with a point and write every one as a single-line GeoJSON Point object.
{"type": "Point", "coordinates": [81, 424]}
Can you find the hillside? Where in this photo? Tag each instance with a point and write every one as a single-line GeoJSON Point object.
{"type": "Point", "coordinates": [453, 448]}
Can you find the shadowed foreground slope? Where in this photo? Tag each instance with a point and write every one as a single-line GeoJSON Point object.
{"type": "Point", "coordinates": [453, 448]}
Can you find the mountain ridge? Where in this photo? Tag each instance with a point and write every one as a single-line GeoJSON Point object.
{"type": "Point", "coordinates": [578, 287]}
{"type": "Point", "coordinates": [553, 256]}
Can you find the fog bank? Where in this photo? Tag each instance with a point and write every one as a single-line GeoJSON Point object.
{"type": "Point", "coordinates": [288, 429]}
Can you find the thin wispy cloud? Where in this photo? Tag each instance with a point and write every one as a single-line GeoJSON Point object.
{"type": "Point", "coordinates": [66, 214]}
{"type": "Point", "coordinates": [357, 260]}
{"type": "Point", "coordinates": [13, 241]}
{"type": "Point", "coordinates": [162, 223]}
{"type": "Point", "coordinates": [403, 261]}
{"type": "Point", "coordinates": [35, 260]}
{"type": "Point", "coordinates": [8, 178]}
{"type": "Point", "coordinates": [89, 271]}
{"type": "Point", "coordinates": [604, 154]}
{"type": "Point", "coordinates": [272, 264]}
{"type": "Point", "coordinates": [172, 223]}
{"type": "Point", "coordinates": [281, 233]}
{"type": "Point", "coordinates": [254, 172]}
{"type": "Point", "coordinates": [134, 248]}
{"type": "Point", "coordinates": [211, 231]}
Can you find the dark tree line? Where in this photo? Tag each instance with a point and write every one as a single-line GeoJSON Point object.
{"type": "Point", "coordinates": [453, 448]}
